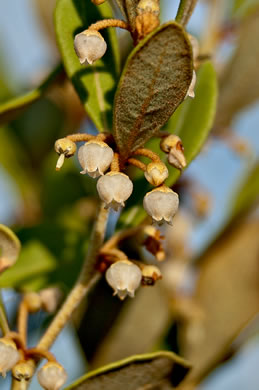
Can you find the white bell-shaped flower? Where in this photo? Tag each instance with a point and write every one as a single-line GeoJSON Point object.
{"type": "Point", "coordinates": [156, 173]}
{"type": "Point", "coordinates": [161, 204]}
{"type": "Point", "coordinates": [89, 46]}
{"type": "Point", "coordinates": [52, 376]}
{"type": "Point", "coordinates": [9, 355]}
{"type": "Point", "coordinates": [95, 158]}
{"type": "Point", "coordinates": [124, 277]}
{"type": "Point", "coordinates": [114, 189]}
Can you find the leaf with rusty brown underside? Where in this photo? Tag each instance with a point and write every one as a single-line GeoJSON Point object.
{"type": "Point", "coordinates": [154, 82]}
{"type": "Point", "coordinates": [155, 371]}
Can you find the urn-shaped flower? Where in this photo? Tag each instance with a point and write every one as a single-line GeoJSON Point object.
{"type": "Point", "coordinates": [124, 277]}
{"type": "Point", "coordinates": [95, 157]}
{"type": "Point", "coordinates": [52, 376]}
{"type": "Point", "coordinates": [114, 189]}
{"type": "Point", "coordinates": [89, 46]}
{"type": "Point", "coordinates": [161, 204]}
{"type": "Point", "coordinates": [9, 355]}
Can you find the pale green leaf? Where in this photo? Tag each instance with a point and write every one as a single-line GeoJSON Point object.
{"type": "Point", "coordinates": [94, 84]}
{"type": "Point", "coordinates": [34, 262]}
{"type": "Point", "coordinates": [159, 370]}
{"type": "Point", "coordinates": [247, 193]}
{"type": "Point", "coordinates": [11, 108]}
{"type": "Point", "coordinates": [9, 246]}
{"type": "Point", "coordinates": [154, 82]}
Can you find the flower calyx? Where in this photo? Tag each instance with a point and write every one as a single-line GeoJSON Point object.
{"type": "Point", "coordinates": [172, 145]}
{"type": "Point", "coordinates": [95, 158]}
{"type": "Point", "coordinates": [65, 148]}
{"type": "Point", "coordinates": [124, 277]}
{"type": "Point", "coordinates": [89, 46]}
{"type": "Point", "coordinates": [150, 274]}
{"type": "Point", "coordinates": [161, 204]}
{"type": "Point", "coordinates": [9, 355]}
{"type": "Point", "coordinates": [152, 241]}
{"type": "Point", "coordinates": [52, 376]}
{"type": "Point", "coordinates": [156, 173]}
{"type": "Point", "coordinates": [23, 371]}
{"type": "Point", "coordinates": [114, 189]}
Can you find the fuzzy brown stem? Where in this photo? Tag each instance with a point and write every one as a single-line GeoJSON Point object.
{"type": "Point", "coordinates": [80, 137]}
{"type": "Point", "coordinates": [137, 163]}
{"type": "Point", "coordinates": [87, 279]}
{"type": "Point", "coordinates": [22, 321]}
{"type": "Point", "coordinates": [42, 353]}
{"type": "Point", "coordinates": [115, 165]}
{"type": "Point", "coordinates": [109, 23]}
{"type": "Point", "coordinates": [147, 153]}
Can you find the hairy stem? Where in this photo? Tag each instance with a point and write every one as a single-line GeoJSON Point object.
{"type": "Point", "coordinates": [185, 11]}
{"type": "Point", "coordinates": [22, 321]}
{"type": "Point", "coordinates": [109, 23]}
{"type": "Point", "coordinates": [3, 319]}
{"type": "Point", "coordinates": [88, 277]}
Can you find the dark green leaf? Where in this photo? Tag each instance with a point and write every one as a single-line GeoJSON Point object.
{"type": "Point", "coordinates": [94, 84]}
{"type": "Point", "coordinates": [10, 109]}
{"type": "Point", "coordinates": [192, 121]}
{"type": "Point", "coordinates": [154, 82]}
{"type": "Point", "coordinates": [159, 370]}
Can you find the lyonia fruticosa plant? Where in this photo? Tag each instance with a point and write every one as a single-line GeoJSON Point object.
{"type": "Point", "coordinates": [135, 156]}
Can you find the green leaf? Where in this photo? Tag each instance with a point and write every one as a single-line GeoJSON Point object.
{"type": "Point", "coordinates": [247, 193]}
{"type": "Point", "coordinates": [154, 82]}
{"type": "Point", "coordinates": [243, 8]}
{"type": "Point", "coordinates": [94, 84]}
{"type": "Point", "coordinates": [34, 262]}
{"type": "Point", "coordinates": [9, 247]}
{"type": "Point", "coordinates": [159, 370]}
{"type": "Point", "coordinates": [192, 121]}
{"type": "Point", "coordinates": [10, 109]}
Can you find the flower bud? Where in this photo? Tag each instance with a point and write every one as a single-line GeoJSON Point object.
{"type": "Point", "coordinates": [89, 46]}
{"type": "Point", "coordinates": [148, 6]}
{"type": "Point", "coordinates": [33, 301]}
{"type": "Point", "coordinates": [65, 148]}
{"type": "Point", "coordinates": [50, 298]}
{"type": "Point", "coordinates": [190, 91]}
{"type": "Point", "coordinates": [172, 145]}
{"type": "Point", "coordinates": [95, 158]}
{"type": "Point", "coordinates": [124, 277]}
{"type": "Point", "coordinates": [150, 274]}
{"type": "Point", "coordinates": [161, 204]}
{"type": "Point", "coordinates": [114, 189]}
{"type": "Point", "coordinates": [52, 376]}
{"type": "Point", "coordinates": [156, 173]}
{"type": "Point", "coordinates": [9, 355]}
{"type": "Point", "coordinates": [23, 371]}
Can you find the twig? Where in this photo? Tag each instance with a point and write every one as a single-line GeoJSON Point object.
{"type": "Point", "coordinates": [185, 11]}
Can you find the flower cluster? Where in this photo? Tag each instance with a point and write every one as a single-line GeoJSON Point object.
{"type": "Point", "coordinates": [100, 161]}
